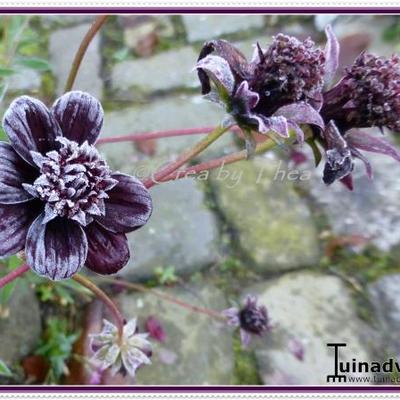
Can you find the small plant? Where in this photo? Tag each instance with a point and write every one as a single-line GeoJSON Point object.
{"type": "Point", "coordinates": [166, 275]}
{"type": "Point", "coordinates": [56, 348]}
{"type": "Point", "coordinates": [4, 370]}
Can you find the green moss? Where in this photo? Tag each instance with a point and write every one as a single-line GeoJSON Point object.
{"type": "Point", "coordinates": [245, 370]}
{"type": "Point", "coordinates": [365, 267]}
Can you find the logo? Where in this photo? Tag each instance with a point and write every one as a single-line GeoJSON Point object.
{"type": "Point", "coordinates": [356, 371]}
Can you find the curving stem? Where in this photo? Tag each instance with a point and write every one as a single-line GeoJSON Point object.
{"type": "Point", "coordinates": [119, 319]}
{"type": "Point", "coordinates": [97, 24]}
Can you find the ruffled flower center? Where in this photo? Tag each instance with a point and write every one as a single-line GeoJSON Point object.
{"type": "Point", "coordinates": [73, 182]}
{"type": "Point", "coordinates": [368, 95]}
{"type": "Point", "coordinates": [253, 319]}
{"type": "Point", "coordinates": [289, 71]}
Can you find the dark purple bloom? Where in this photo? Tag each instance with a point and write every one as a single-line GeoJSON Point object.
{"type": "Point", "coordinates": [289, 71]}
{"type": "Point", "coordinates": [367, 96]}
{"type": "Point", "coordinates": [59, 201]}
{"type": "Point", "coordinates": [252, 319]}
{"type": "Point", "coordinates": [279, 89]}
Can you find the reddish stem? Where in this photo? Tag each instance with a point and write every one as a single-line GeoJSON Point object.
{"type": "Point", "coordinates": [16, 273]}
{"type": "Point", "coordinates": [141, 288]}
{"type": "Point", "coordinates": [185, 157]}
{"type": "Point", "coordinates": [97, 24]}
{"type": "Point", "coordinates": [218, 162]}
{"type": "Point", "coordinates": [136, 137]}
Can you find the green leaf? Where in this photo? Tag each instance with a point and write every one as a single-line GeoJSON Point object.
{"type": "Point", "coordinates": [6, 71]}
{"type": "Point", "coordinates": [38, 64]}
{"type": "Point", "coordinates": [7, 291]}
{"type": "Point", "coordinates": [4, 370]}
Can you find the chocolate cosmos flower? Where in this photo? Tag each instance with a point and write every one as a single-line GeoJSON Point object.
{"type": "Point", "coordinates": [251, 318]}
{"type": "Point", "coordinates": [279, 89]}
{"type": "Point", "coordinates": [59, 201]}
{"type": "Point", "coordinates": [367, 96]}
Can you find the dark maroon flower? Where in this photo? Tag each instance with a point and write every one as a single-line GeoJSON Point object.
{"type": "Point", "coordinates": [289, 71]}
{"type": "Point", "coordinates": [154, 328]}
{"type": "Point", "coordinates": [276, 91]}
{"type": "Point", "coordinates": [367, 96]}
{"type": "Point", "coordinates": [251, 318]}
{"type": "Point", "coordinates": [59, 201]}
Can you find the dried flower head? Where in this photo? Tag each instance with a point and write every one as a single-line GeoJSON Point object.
{"type": "Point", "coordinates": [289, 71]}
{"type": "Point", "coordinates": [124, 355]}
{"type": "Point", "coordinates": [59, 200]}
{"type": "Point", "coordinates": [368, 95]}
{"type": "Point", "coordinates": [270, 94]}
{"type": "Point", "coordinates": [251, 318]}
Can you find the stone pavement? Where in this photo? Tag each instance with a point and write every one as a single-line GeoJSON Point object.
{"type": "Point", "coordinates": [142, 70]}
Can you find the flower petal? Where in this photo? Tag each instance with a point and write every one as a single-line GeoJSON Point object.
{"type": "Point", "coordinates": [218, 71]}
{"type": "Point", "coordinates": [301, 113]}
{"type": "Point", "coordinates": [347, 181]}
{"type": "Point", "coordinates": [245, 338]}
{"type": "Point", "coordinates": [15, 220]}
{"type": "Point", "coordinates": [56, 250]}
{"type": "Point", "coordinates": [367, 164]}
{"type": "Point", "coordinates": [279, 125]}
{"type": "Point", "coordinates": [14, 171]}
{"type": "Point", "coordinates": [80, 116]}
{"type": "Point", "coordinates": [30, 127]}
{"type": "Point", "coordinates": [129, 206]}
{"type": "Point", "coordinates": [236, 61]}
{"type": "Point", "coordinates": [363, 141]}
{"type": "Point", "coordinates": [107, 252]}
{"type": "Point", "coordinates": [332, 49]}
{"type": "Point", "coordinates": [248, 96]}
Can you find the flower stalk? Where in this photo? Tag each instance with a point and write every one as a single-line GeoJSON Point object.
{"type": "Point", "coordinates": [141, 288]}
{"type": "Point", "coordinates": [138, 137]}
{"type": "Point", "coordinates": [98, 23]}
{"type": "Point", "coordinates": [218, 162]}
{"type": "Point", "coordinates": [16, 273]}
{"type": "Point", "coordinates": [185, 157]}
{"type": "Point", "coordinates": [119, 319]}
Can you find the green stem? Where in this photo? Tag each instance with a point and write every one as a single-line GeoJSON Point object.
{"type": "Point", "coordinates": [97, 24]}
{"type": "Point", "coordinates": [185, 157]}
{"type": "Point", "coordinates": [119, 319]}
{"type": "Point", "coordinates": [218, 162]}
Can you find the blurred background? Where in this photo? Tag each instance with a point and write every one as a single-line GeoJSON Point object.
{"type": "Point", "coordinates": [322, 259]}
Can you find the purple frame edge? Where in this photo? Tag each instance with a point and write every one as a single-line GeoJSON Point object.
{"type": "Point", "coordinates": [199, 10]}
{"type": "Point", "coordinates": [203, 389]}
